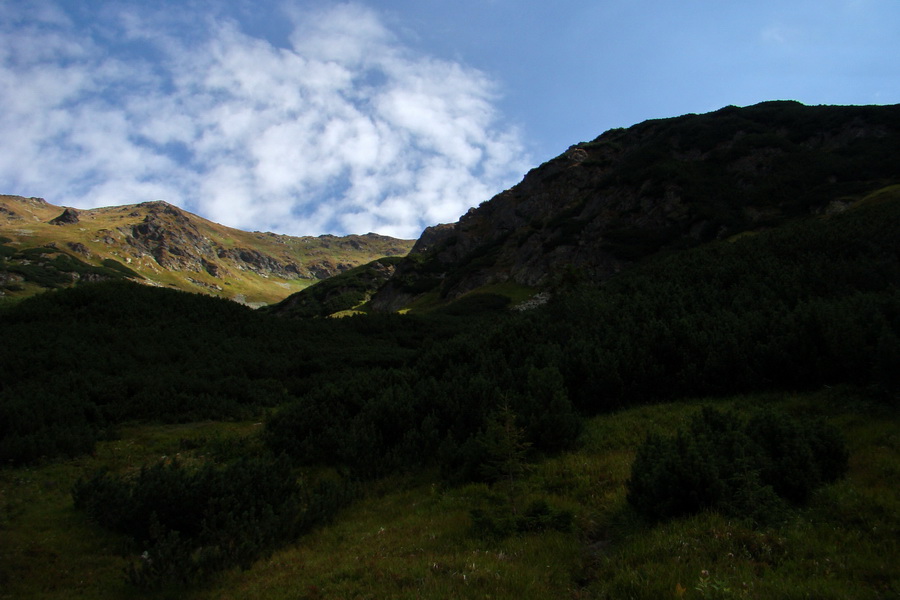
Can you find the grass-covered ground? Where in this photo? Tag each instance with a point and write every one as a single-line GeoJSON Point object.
{"type": "Point", "coordinates": [412, 537]}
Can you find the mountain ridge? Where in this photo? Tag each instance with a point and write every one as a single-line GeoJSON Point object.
{"type": "Point", "coordinates": [168, 246]}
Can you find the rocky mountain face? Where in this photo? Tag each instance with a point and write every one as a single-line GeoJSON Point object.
{"type": "Point", "coordinates": [659, 185]}
{"type": "Point", "coordinates": [165, 245]}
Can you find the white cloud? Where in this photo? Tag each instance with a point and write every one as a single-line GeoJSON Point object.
{"type": "Point", "coordinates": [346, 130]}
{"type": "Point", "coordinates": [776, 33]}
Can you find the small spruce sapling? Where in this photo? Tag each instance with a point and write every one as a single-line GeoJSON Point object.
{"type": "Point", "coordinates": [505, 451]}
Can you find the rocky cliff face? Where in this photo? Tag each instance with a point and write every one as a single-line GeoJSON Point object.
{"type": "Point", "coordinates": [175, 240]}
{"type": "Point", "coordinates": [668, 183]}
{"type": "Point", "coordinates": [169, 246]}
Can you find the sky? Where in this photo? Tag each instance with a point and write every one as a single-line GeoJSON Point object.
{"type": "Point", "coordinates": [308, 117]}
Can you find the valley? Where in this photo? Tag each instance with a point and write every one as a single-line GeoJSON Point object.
{"type": "Point", "coordinates": [664, 365]}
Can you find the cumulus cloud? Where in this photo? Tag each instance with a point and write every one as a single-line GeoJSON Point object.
{"type": "Point", "coordinates": [340, 129]}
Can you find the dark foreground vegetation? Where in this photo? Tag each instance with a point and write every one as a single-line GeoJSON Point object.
{"type": "Point", "coordinates": [804, 305]}
{"type": "Point", "coordinates": [475, 393]}
{"type": "Point", "coordinates": [203, 520]}
{"type": "Point", "coordinates": [742, 468]}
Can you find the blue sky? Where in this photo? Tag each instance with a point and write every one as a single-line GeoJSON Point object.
{"type": "Point", "coordinates": [308, 117]}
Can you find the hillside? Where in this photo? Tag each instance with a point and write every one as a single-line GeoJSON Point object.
{"type": "Point", "coordinates": [162, 245]}
{"type": "Point", "coordinates": [661, 185]}
{"type": "Point", "coordinates": [342, 294]}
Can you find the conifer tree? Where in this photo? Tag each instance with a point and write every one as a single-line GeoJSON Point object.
{"type": "Point", "coordinates": [505, 451]}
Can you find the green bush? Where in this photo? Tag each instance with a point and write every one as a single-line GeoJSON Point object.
{"type": "Point", "coordinates": [498, 520]}
{"type": "Point", "coordinates": [43, 274]}
{"type": "Point", "coordinates": [796, 457]}
{"type": "Point", "coordinates": [474, 304]}
{"type": "Point", "coordinates": [191, 523]}
{"type": "Point", "coordinates": [540, 516]}
{"type": "Point", "coordinates": [748, 468]}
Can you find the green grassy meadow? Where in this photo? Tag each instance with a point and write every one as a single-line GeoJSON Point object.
{"type": "Point", "coordinates": [411, 536]}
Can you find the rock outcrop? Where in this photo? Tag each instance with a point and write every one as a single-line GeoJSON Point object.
{"type": "Point", "coordinates": [68, 217]}
{"type": "Point", "coordinates": [175, 240]}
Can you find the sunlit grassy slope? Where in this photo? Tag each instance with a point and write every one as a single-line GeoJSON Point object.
{"type": "Point", "coordinates": [412, 537]}
{"type": "Point", "coordinates": [106, 234]}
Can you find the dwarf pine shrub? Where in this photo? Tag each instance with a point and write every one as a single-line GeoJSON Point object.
{"type": "Point", "coordinates": [752, 468]}
{"type": "Point", "coordinates": [191, 523]}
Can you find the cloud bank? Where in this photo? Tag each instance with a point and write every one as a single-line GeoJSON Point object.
{"type": "Point", "coordinates": [339, 128]}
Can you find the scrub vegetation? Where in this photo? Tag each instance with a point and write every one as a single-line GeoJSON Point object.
{"type": "Point", "coordinates": [472, 450]}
